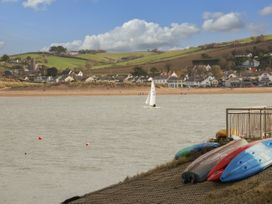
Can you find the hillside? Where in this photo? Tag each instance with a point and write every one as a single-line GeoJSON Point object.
{"type": "Point", "coordinates": [101, 63]}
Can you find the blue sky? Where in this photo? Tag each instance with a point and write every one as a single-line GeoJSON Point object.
{"type": "Point", "coordinates": [128, 25]}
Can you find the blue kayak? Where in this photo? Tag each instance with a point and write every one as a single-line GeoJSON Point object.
{"type": "Point", "coordinates": [249, 162]}
{"type": "Point", "coordinates": [187, 151]}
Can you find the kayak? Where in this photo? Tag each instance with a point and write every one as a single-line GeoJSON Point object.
{"type": "Point", "coordinates": [199, 169]}
{"type": "Point", "coordinates": [187, 151]}
{"type": "Point", "coordinates": [249, 162]}
{"type": "Point", "coordinates": [217, 171]}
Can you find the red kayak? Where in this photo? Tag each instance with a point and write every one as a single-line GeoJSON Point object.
{"type": "Point", "coordinates": [217, 171]}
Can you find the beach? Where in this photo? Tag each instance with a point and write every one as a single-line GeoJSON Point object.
{"type": "Point", "coordinates": [126, 91]}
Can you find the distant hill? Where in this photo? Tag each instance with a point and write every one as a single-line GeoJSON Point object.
{"type": "Point", "coordinates": [124, 62]}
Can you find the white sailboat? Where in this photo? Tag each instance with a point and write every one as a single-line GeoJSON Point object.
{"type": "Point", "coordinates": [151, 98]}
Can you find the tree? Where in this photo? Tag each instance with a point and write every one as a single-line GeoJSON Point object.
{"type": "Point", "coordinates": [154, 71]}
{"type": "Point", "coordinates": [138, 71]}
{"type": "Point", "coordinates": [53, 71]}
{"type": "Point", "coordinates": [205, 56]}
{"type": "Point", "coordinates": [167, 67]}
{"type": "Point", "coordinates": [4, 58]}
{"type": "Point", "coordinates": [217, 71]}
{"type": "Point", "coordinates": [58, 49]}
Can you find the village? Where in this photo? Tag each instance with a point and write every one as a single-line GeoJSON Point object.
{"type": "Point", "coordinates": [204, 73]}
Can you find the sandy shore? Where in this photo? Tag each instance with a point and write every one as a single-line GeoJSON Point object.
{"type": "Point", "coordinates": [118, 91]}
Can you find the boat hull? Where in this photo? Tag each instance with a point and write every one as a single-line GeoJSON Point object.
{"type": "Point", "coordinates": [217, 171]}
{"type": "Point", "coordinates": [187, 151]}
{"type": "Point", "coordinates": [249, 162]}
{"type": "Point", "coordinates": [198, 170]}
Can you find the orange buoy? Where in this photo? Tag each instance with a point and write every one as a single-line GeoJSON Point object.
{"type": "Point", "coordinates": [40, 138]}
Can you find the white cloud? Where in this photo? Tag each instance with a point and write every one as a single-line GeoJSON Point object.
{"type": "Point", "coordinates": [220, 22]}
{"type": "Point", "coordinates": [37, 4]}
{"type": "Point", "coordinates": [2, 44]}
{"type": "Point", "coordinates": [266, 11]}
{"type": "Point", "coordinates": [209, 15]}
{"type": "Point", "coordinates": [135, 35]}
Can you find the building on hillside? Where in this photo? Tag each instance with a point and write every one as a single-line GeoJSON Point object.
{"type": "Point", "coordinates": [73, 53]}
{"type": "Point", "coordinates": [90, 79]}
{"type": "Point", "coordinates": [160, 80]}
{"type": "Point", "coordinates": [232, 75]}
{"type": "Point", "coordinates": [128, 78]}
{"type": "Point", "coordinates": [232, 82]}
{"type": "Point", "coordinates": [250, 63]}
{"type": "Point", "coordinates": [8, 73]}
{"type": "Point", "coordinates": [69, 79]}
{"type": "Point", "coordinates": [210, 81]}
{"type": "Point", "coordinates": [174, 82]}
{"type": "Point", "coordinates": [208, 68]}
{"type": "Point", "coordinates": [265, 79]}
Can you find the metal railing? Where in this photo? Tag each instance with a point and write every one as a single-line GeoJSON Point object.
{"type": "Point", "coordinates": [252, 123]}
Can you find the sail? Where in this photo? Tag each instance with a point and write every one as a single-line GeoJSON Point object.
{"type": "Point", "coordinates": [152, 94]}
{"type": "Point", "coordinates": [147, 99]}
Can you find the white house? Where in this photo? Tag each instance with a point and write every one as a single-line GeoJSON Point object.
{"type": "Point", "coordinates": [251, 63]}
{"type": "Point", "coordinates": [208, 68]}
{"type": "Point", "coordinates": [73, 53]}
{"type": "Point", "coordinates": [162, 80]}
{"type": "Point", "coordinates": [128, 78]}
{"type": "Point", "coordinates": [232, 76]}
{"type": "Point", "coordinates": [265, 77]}
{"type": "Point", "coordinates": [174, 82]}
{"type": "Point", "coordinates": [191, 83]}
{"type": "Point", "coordinates": [90, 80]}
{"type": "Point", "coordinates": [80, 74]}
{"type": "Point", "coordinates": [208, 82]}
{"type": "Point", "coordinates": [233, 82]}
{"type": "Point", "coordinates": [69, 79]}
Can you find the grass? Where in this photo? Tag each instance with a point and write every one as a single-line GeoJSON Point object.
{"type": "Point", "coordinates": [62, 62]}
{"type": "Point", "coordinates": [104, 60]}
{"type": "Point", "coordinates": [111, 60]}
{"type": "Point", "coordinates": [249, 40]}
{"type": "Point", "coordinates": [55, 61]}
{"type": "Point", "coordinates": [113, 57]}
{"type": "Point", "coordinates": [169, 165]}
{"type": "Point", "coordinates": [17, 84]}
{"type": "Point", "coordinates": [268, 37]}
{"type": "Point", "coordinates": [152, 58]}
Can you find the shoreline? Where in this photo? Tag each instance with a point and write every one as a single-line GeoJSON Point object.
{"type": "Point", "coordinates": [124, 91]}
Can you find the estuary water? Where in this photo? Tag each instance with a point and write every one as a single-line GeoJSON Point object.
{"type": "Point", "coordinates": [123, 138]}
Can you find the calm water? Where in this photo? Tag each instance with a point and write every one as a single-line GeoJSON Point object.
{"type": "Point", "coordinates": [125, 138]}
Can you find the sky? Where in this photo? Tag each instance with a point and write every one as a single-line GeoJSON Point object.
{"type": "Point", "coordinates": [128, 25]}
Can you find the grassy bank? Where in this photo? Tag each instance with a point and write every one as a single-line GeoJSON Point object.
{"type": "Point", "coordinates": [163, 185]}
{"type": "Point", "coordinates": [18, 84]}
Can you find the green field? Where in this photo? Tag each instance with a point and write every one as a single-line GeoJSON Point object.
{"type": "Point", "coordinates": [137, 58]}
{"type": "Point", "coordinates": [249, 40]}
{"type": "Point", "coordinates": [103, 60]}
{"type": "Point", "coordinates": [55, 61]}
{"type": "Point", "coordinates": [110, 60]}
